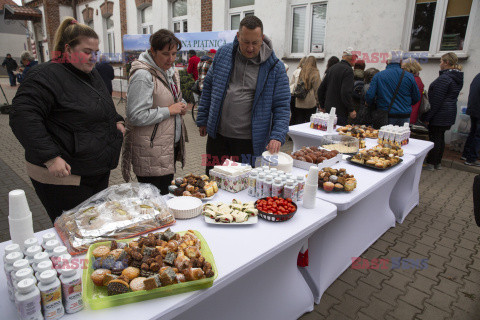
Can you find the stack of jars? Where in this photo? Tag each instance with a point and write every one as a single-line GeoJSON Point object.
{"type": "Point", "coordinates": [270, 182]}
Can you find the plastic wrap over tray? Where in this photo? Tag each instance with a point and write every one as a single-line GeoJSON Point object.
{"type": "Point", "coordinates": [118, 212]}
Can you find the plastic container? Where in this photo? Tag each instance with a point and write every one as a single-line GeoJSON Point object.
{"type": "Point", "coordinates": [311, 186]}
{"type": "Point", "coordinates": [277, 188]}
{"type": "Point", "coordinates": [14, 247]}
{"type": "Point", "coordinates": [274, 217]}
{"type": "Point", "coordinates": [21, 274]}
{"type": "Point", "coordinates": [289, 190]}
{"type": "Point", "coordinates": [43, 266]}
{"type": "Point", "coordinates": [47, 237]}
{"type": "Point", "coordinates": [39, 257]}
{"type": "Point", "coordinates": [30, 242]}
{"type": "Point", "coordinates": [51, 293]}
{"type": "Point", "coordinates": [252, 182]}
{"type": "Point", "coordinates": [50, 245]}
{"type": "Point", "coordinates": [18, 265]}
{"type": "Point", "coordinates": [185, 207]}
{"type": "Point", "coordinates": [97, 298]}
{"type": "Point", "coordinates": [8, 268]}
{"type": "Point", "coordinates": [31, 252]}
{"type": "Point", "coordinates": [71, 280]}
{"type": "Point", "coordinates": [343, 144]}
{"type": "Point", "coordinates": [20, 220]}
{"type": "Point", "coordinates": [300, 187]}
{"type": "Point", "coordinates": [259, 185]}
{"type": "Point", "coordinates": [28, 301]}
{"type": "Point", "coordinates": [267, 186]}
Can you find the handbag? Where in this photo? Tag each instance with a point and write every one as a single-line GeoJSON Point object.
{"type": "Point", "coordinates": [300, 90]}
{"type": "Point", "coordinates": [380, 116]}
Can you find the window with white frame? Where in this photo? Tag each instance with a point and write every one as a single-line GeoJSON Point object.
{"type": "Point", "coordinates": [308, 26]}
{"type": "Point", "coordinates": [440, 25]}
{"type": "Point", "coordinates": [179, 16]}
{"type": "Point", "coordinates": [239, 9]}
{"type": "Point", "coordinates": [109, 26]}
{"type": "Point", "coordinates": [146, 20]}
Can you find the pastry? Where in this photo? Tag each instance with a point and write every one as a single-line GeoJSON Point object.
{"type": "Point", "coordinates": [118, 267]}
{"type": "Point", "coordinates": [131, 272]}
{"type": "Point", "coordinates": [168, 277]}
{"type": "Point", "coordinates": [137, 284]}
{"type": "Point", "coordinates": [117, 287]}
{"type": "Point", "coordinates": [101, 251]}
{"type": "Point", "coordinates": [328, 186]}
{"type": "Point", "coordinates": [98, 275]}
{"type": "Point", "coordinates": [152, 282]}
{"type": "Point", "coordinates": [192, 274]}
{"type": "Point", "coordinates": [116, 253]}
{"type": "Point", "coordinates": [108, 278]}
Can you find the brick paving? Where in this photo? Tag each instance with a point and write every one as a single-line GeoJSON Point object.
{"type": "Point", "coordinates": [441, 229]}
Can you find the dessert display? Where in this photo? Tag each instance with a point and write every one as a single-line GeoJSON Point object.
{"type": "Point", "coordinates": [235, 212]}
{"type": "Point", "coordinates": [342, 144]}
{"type": "Point", "coordinates": [193, 186]}
{"type": "Point", "coordinates": [118, 212]}
{"type": "Point", "coordinates": [330, 179]}
{"type": "Point", "coordinates": [313, 155]}
{"type": "Point", "coordinates": [378, 157]}
{"type": "Point", "coordinates": [358, 131]}
{"type": "Point", "coordinates": [276, 209]}
{"type": "Point", "coordinates": [150, 263]}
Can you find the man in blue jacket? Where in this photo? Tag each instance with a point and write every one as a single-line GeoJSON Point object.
{"type": "Point", "coordinates": [383, 87]}
{"type": "Point", "coordinates": [245, 103]}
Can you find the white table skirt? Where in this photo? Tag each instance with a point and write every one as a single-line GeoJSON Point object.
{"type": "Point", "coordinates": [245, 257]}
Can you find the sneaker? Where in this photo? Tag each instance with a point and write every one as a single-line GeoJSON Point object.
{"type": "Point", "coordinates": [438, 167]}
{"type": "Point", "coordinates": [476, 163]}
{"type": "Point", "coordinates": [463, 158]}
{"type": "Point", "coordinates": [429, 167]}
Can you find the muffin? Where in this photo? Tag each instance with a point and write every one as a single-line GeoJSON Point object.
{"type": "Point", "coordinates": [98, 276]}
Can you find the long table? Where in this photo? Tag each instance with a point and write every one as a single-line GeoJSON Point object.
{"type": "Point", "coordinates": [257, 272]}
{"type": "Point", "coordinates": [406, 193]}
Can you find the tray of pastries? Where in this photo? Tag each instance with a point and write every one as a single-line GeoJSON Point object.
{"type": "Point", "coordinates": [379, 158]}
{"type": "Point", "coordinates": [338, 180]}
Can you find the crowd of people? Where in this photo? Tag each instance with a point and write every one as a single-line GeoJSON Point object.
{"type": "Point", "coordinates": [64, 116]}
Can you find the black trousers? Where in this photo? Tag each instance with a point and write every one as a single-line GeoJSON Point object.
{"type": "Point", "coordinates": [292, 110]}
{"type": "Point", "coordinates": [161, 182]}
{"type": "Point", "coordinates": [476, 199]}
{"type": "Point", "coordinates": [222, 148]}
{"type": "Point", "coordinates": [436, 134]}
{"type": "Point", "coordinates": [57, 199]}
{"type": "Point", "coordinates": [302, 115]}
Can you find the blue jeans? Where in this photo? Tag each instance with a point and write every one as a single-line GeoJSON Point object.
{"type": "Point", "coordinates": [472, 146]}
{"type": "Point", "coordinates": [13, 78]}
{"type": "Point", "coordinates": [398, 121]}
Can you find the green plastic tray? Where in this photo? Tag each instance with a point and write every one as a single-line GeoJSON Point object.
{"type": "Point", "coordinates": [97, 298]}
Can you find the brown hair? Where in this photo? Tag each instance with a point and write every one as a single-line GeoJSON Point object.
{"type": "Point", "coordinates": [411, 65]}
{"type": "Point", "coordinates": [369, 73]}
{"type": "Point", "coordinates": [309, 72]}
{"type": "Point", "coordinates": [302, 61]}
{"type": "Point", "coordinates": [164, 37]}
{"type": "Point", "coordinates": [251, 22]}
{"type": "Point", "coordinates": [451, 59]}
{"type": "Point", "coordinates": [359, 64]}
{"type": "Point", "coordinates": [71, 32]}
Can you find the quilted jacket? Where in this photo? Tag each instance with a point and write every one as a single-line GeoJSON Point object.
{"type": "Point", "coordinates": [271, 106]}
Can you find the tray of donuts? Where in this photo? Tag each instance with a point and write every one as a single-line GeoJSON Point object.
{"type": "Point", "coordinates": [306, 156]}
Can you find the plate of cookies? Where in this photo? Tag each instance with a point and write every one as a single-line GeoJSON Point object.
{"type": "Point", "coordinates": [198, 186]}
{"type": "Point", "coordinates": [152, 266]}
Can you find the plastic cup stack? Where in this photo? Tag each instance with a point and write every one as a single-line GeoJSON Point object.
{"type": "Point", "coordinates": [19, 217]}
{"type": "Point", "coordinates": [311, 186]}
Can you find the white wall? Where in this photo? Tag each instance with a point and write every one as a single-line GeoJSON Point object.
{"type": "Point", "coordinates": [14, 44]}
{"type": "Point", "coordinates": [194, 16]}
{"type": "Point", "coordinates": [65, 11]}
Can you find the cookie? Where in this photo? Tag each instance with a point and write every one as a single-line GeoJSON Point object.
{"type": "Point", "coordinates": [131, 272]}
{"type": "Point", "coordinates": [137, 284]}
{"type": "Point", "coordinates": [101, 251]}
{"type": "Point", "coordinates": [98, 276]}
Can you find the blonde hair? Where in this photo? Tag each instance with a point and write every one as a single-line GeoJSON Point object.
{"type": "Point", "coordinates": [309, 72]}
{"type": "Point", "coordinates": [411, 65]}
{"type": "Point", "coordinates": [71, 32]}
{"type": "Point", "coordinates": [451, 59]}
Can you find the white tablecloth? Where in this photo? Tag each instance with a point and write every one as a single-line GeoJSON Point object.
{"type": "Point", "coordinates": [258, 275]}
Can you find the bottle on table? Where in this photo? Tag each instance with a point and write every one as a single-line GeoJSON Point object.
{"type": "Point", "coordinates": [252, 182]}
{"type": "Point", "coordinates": [30, 242]}
{"type": "Point", "coordinates": [47, 237]}
{"type": "Point", "coordinates": [43, 266]}
{"type": "Point", "coordinates": [39, 257]}
{"type": "Point", "coordinates": [14, 247]}
{"type": "Point", "coordinates": [267, 186]}
{"type": "Point", "coordinates": [51, 293]}
{"type": "Point", "coordinates": [21, 274]}
{"type": "Point", "coordinates": [259, 185]}
{"type": "Point", "coordinates": [10, 259]}
{"type": "Point", "coordinates": [31, 252]}
{"type": "Point", "coordinates": [50, 245]}
{"type": "Point", "coordinates": [277, 188]}
{"type": "Point", "coordinates": [28, 300]}
{"type": "Point", "coordinates": [18, 265]}
{"type": "Point", "coordinates": [300, 187]}
{"type": "Point", "coordinates": [71, 280]}
{"type": "Point", "coordinates": [289, 190]}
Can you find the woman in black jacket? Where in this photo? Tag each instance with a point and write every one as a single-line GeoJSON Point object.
{"type": "Point", "coordinates": [64, 117]}
{"type": "Point", "coordinates": [443, 94]}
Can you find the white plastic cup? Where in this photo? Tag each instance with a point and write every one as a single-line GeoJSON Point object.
{"type": "Point", "coordinates": [18, 205]}
{"type": "Point", "coordinates": [19, 217]}
{"type": "Point", "coordinates": [312, 178]}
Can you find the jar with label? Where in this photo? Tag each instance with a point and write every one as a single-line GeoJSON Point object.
{"type": "Point", "coordinates": [277, 188]}
{"type": "Point", "coordinates": [47, 237]}
{"type": "Point", "coordinates": [28, 301]}
{"type": "Point", "coordinates": [301, 187]}
{"type": "Point", "coordinates": [18, 265]}
{"type": "Point", "coordinates": [283, 177]}
{"type": "Point", "coordinates": [71, 280]}
{"type": "Point", "coordinates": [265, 168]}
{"type": "Point", "coordinates": [9, 249]}
{"type": "Point", "coordinates": [259, 185]}
{"type": "Point", "coordinates": [289, 190]}
{"type": "Point", "coordinates": [43, 266]}
{"type": "Point", "coordinates": [50, 245]}
{"type": "Point", "coordinates": [273, 171]}
{"type": "Point", "coordinates": [39, 257]}
{"type": "Point", "coordinates": [63, 262]}
{"type": "Point", "coordinates": [31, 252]}
{"type": "Point", "coordinates": [252, 182]}
{"type": "Point", "coordinates": [30, 242]}
{"type": "Point", "coordinates": [8, 267]}
{"type": "Point", "coordinates": [267, 186]}
{"type": "Point", "coordinates": [51, 293]}
{"type": "Point", "coordinates": [57, 252]}
{"type": "Point", "coordinates": [21, 274]}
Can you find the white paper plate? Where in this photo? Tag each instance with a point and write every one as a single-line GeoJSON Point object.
{"type": "Point", "coordinates": [204, 199]}
{"type": "Point", "coordinates": [185, 207]}
{"type": "Point", "coordinates": [251, 220]}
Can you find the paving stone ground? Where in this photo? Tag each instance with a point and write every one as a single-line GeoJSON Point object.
{"type": "Point", "coordinates": [440, 229]}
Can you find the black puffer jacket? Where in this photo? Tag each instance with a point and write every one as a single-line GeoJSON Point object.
{"type": "Point", "coordinates": [473, 108]}
{"type": "Point", "coordinates": [55, 114]}
{"type": "Point", "coordinates": [443, 95]}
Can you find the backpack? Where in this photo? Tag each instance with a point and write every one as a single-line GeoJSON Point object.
{"type": "Point", "coordinates": [300, 90]}
{"type": "Point", "coordinates": [358, 89]}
